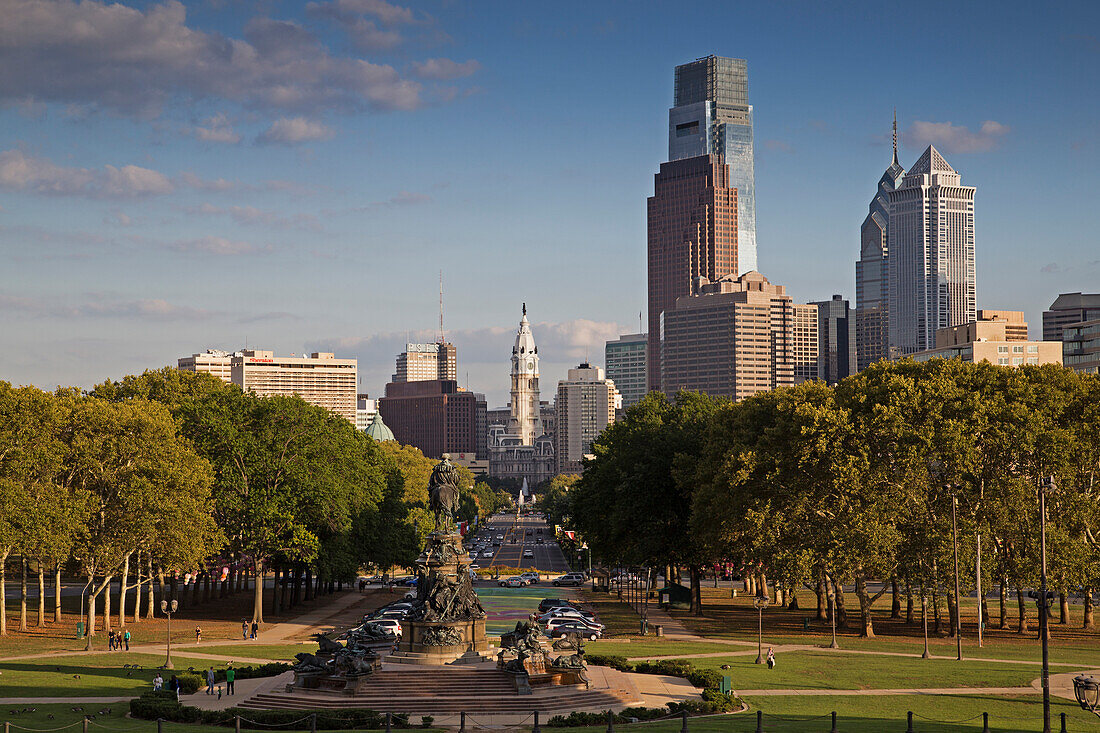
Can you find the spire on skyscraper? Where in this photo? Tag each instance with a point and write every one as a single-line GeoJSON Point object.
{"type": "Point", "coordinates": [896, 136]}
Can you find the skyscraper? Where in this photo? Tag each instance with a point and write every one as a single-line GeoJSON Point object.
{"type": "Point", "coordinates": [692, 233]}
{"type": "Point", "coordinates": [426, 362]}
{"type": "Point", "coordinates": [736, 337]}
{"type": "Point", "coordinates": [1067, 309]}
{"type": "Point", "coordinates": [931, 279]}
{"type": "Point", "coordinates": [525, 419]}
{"type": "Point", "coordinates": [626, 366]}
{"type": "Point", "coordinates": [836, 339]}
{"type": "Point", "coordinates": [585, 406]}
{"type": "Point", "coordinates": [872, 297]}
{"type": "Point", "coordinates": [713, 116]}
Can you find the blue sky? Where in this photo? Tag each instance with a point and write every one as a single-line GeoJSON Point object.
{"type": "Point", "coordinates": [294, 175]}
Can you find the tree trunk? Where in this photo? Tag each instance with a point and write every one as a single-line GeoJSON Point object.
{"type": "Point", "coordinates": [822, 600]}
{"type": "Point", "coordinates": [762, 586]}
{"type": "Point", "coordinates": [137, 588]}
{"type": "Point", "coordinates": [107, 605]}
{"type": "Point", "coordinates": [173, 584]}
{"type": "Point", "coordinates": [908, 602]}
{"type": "Point", "coordinates": [895, 599]}
{"type": "Point", "coordinates": [3, 593]}
{"type": "Point", "coordinates": [696, 591]}
{"type": "Point", "coordinates": [57, 593]}
{"type": "Point", "coordinates": [151, 609]}
{"type": "Point", "coordinates": [1063, 607]}
{"type": "Point", "coordinates": [985, 610]}
{"type": "Point", "coordinates": [841, 609]}
{"type": "Point", "coordinates": [1022, 628]}
{"type": "Point", "coordinates": [258, 598]}
{"type": "Point", "coordinates": [123, 579]}
{"type": "Point", "coordinates": [195, 590]}
{"type": "Point", "coordinates": [1088, 622]}
{"type": "Point", "coordinates": [745, 583]}
{"type": "Point", "coordinates": [952, 611]}
{"type": "Point", "coordinates": [90, 630]}
{"type": "Point", "coordinates": [296, 597]}
{"type": "Point", "coordinates": [1004, 603]}
{"type": "Point", "coordinates": [22, 593]}
{"type": "Point", "coordinates": [866, 602]}
{"type": "Point", "coordinates": [309, 583]}
{"type": "Point", "coordinates": [41, 594]}
{"type": "Point", "coordinates": [240, 579]}
{"type": "Point", "coordinates": [160, 584]}
{"type": "Point", "coordinates": [937, 628]}
{"type": "Point", "coordinates": [792, 604]}
{"type": "Point", "coordinates": [205, 587]}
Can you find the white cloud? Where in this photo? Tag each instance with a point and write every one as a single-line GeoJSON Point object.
{"type": "Point", "coordinates": [216, 129]}
{"type": "Point", "coordinates": [445, 69]}
{"type": "Point", "coordinates": [214, 246]}
{"type": "Point", "coordinates": [952, 138]}
{"type": "Point", "coordinates": [22, 172]}
{"type": "Point", "coordinates": [135, 60]}
{"type": "Point", "coordinates": [294, 130]}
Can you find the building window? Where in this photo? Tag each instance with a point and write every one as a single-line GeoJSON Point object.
{"type": "Point", "coordinates": [1017, 360]}
{"type": "Point", "coordinates": [1002, 349]}
{"type": "Point", "coordinates": [1017, 349]}
{"type": "Point", "coordinates": [1033, 348]}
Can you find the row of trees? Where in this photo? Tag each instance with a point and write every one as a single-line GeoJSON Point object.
{"type": "Point", "coordinates": [177, 472]}
{"type": "Point", "coordinates": [822, 487]}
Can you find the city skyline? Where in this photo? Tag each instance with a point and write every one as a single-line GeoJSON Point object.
{"type": "Point", "coordinates": [147, 213]}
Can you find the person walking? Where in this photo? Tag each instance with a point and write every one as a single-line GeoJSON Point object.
{"type": "Point", "coordinates": [244, 629]}
{"type": "Point", "coordinates": [230, 676]}
{"type": "Point", "coordinates": [771, 658]}
{"type": "Point", "coordinates": [198, 635]}
{"type": "Point", "coordinates": [210, 679]}
{"type": "Point", "coordinates": [111, 641]}
{"type": "Point", "coordinates": [126, 639]}
{"type": "Point", "coordinates": [255, 629]}
{"type": "Point", "coordinates": [174, 684]}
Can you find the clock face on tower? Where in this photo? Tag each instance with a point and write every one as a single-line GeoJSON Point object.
{"type": "Point", "coordinates": [530, 364]}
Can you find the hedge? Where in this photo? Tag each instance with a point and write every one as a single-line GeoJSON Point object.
{"type": "Point", "coordinates": [153, 705]}
{"type": "Point", "coordinates": [709, 680]}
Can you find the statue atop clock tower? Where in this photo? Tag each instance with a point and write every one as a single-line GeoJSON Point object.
{"type": "Point", "coordinates": [524, 421]}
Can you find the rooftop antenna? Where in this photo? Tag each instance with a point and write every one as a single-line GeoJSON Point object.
{"type": "Point", "coordinates": [441, 339]}
{"type": "Point", "coordinates": [639, 322]}
{"type": "Point", "coordinates": [895, 136]}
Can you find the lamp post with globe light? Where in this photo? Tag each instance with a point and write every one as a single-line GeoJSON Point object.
{"type": "Point", "coordinates": [760, 602]}
{"type": "Point", "coordinates": [168, 608]}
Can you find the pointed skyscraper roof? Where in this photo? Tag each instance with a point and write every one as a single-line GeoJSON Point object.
{"type": "Point", "coordinates": [896, 136]}
{"type": "Point", "coordinates": [931, 162]}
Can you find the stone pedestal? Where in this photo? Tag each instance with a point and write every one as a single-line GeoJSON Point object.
{"type": "Point", "coordinates": [447, 624]}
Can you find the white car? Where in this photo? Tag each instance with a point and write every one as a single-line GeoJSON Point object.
{"type": "Point", "coordinates": [528, 553]}
{"type": "Point", "coordinates": [530, 578]}
{"type": "Point", "coordinates": [554, 623]}
{"type": "Point", "coordinates": [389, 624]}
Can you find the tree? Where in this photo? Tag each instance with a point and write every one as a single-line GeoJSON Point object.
{"type": "Point", "coordinates": [555, 501]}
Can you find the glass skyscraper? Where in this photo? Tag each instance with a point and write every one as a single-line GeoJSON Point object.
{"type": "Point", "coordinates": [713, 116]}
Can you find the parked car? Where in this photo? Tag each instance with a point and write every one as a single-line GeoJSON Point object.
{"type": "Point", "coordinates": [548, 617]}
{"type": "Point", "coordinates": [411, 581]}
{"type": "Point", "coordinates": [570, 579]}
{"type": "Point", "coordinates": [513, 582]}
{"type": "Point", "coordinates": [569, 610]}
{"type": "Point", "coordinates": [474, 566]}
{"type": "Point", "coordinates": [547, 603]}
{"type": "Point", "coordinates": [389, 624]}
{"type": "Point", "coordinates": [582, 631]}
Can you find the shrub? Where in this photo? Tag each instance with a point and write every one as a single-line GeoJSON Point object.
{"type": "Point", "coordinates": [154, 705]}
{"type": "Point", "coordinates": [609, 660]}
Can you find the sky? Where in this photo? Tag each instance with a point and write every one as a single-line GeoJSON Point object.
{"type": "Point", "coordinates": [295, 175]}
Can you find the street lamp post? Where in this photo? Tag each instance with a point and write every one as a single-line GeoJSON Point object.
{"type": "Point", "coordinates": [924, 612]}
{"type": "Point", "coordinates": [1042, 601]}
{"type": "Point", "coordinates": [760, 602]}
{"type": "Point", "coordinates": [831, 589]}
{"type": "Point", "coordinates": [168, 609]}
{"type": "Point", "coordinates": [958, 598]}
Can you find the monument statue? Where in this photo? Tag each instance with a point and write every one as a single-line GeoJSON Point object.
{"type": "Point", "coordinates": [443, 494]}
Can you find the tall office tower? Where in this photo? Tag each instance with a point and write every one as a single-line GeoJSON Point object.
{"type": "Point", "coordinates": [713, 116]}
{"type": "Point", "coordinates": [692, 233]}
{"type": "Point", "coordinates": [931, 281]}
{"type": "Point", "coordinates": [805, 354]}
{"type": "Point", "coordinates": [435, 415]}
{"type": "Point", "coordinates": [525, 421]}
{"type": "Point", "coordinates": [585, 405]}
{"type": "Point", "coordinates": [420, 362]}
{"type": "Point", "coordinates": [735, 337]}
{"type": "Point", "coordinates": [836, 339]}
{"type": "Point", "coordinates": [872, 334]}
{"type": "Point", "coordinates": [1067, 309]}
{"type": "Point", "coordinates": [626, 366]}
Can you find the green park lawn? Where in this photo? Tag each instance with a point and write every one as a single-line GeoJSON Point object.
{"type": "Point", "coordinates": [274, 652]}
{"type": "Point", "coordinates": [87, 675]}
{"type": "Point", "coordinates": [885, 714]}
{"type": "Point", "coordinates": [833, 671]}
{"type": "Point", "coordinates": [53, 716]}
{"type": "Point", "coordinates": [649, 647]}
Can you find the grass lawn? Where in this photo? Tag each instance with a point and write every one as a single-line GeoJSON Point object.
{"type": "Point", "coordinates": [115, 720]}
{"type": "Point", "coordinates": [274, 652]}
{"type": "Point", "coordinates": [832, 671]}
{"type": "Point", "coordinates": [886, 714]}
{"type": "Point", "coordinates": [87, 675]}
{"type": "Point", "coordinates": [641, 646]}
{"type": "Point", "coordinates": [619, 618]}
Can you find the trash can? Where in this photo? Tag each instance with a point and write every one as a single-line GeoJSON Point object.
{"type": "Point", "coordinates": [80, 629]}
{"type": "Point", "coordinates": [659, 630]}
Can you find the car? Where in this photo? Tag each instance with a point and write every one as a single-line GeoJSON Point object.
{"type": "Point", "coordinates": [530, 578]}
{"type": "Point", "coordinates": [581, 631]}
{"type": "Point", "coordinates": [569, 611]}
{"type": "Point", "coordinates": [539, 541]}
{"type": "Point", "coordinates": [560, 617]}
{"type": "Point", "coordinates": [411, 581]}
{"type": "Point", "coordinates": [487, 553]}
{"type": "Point", "coordinates": [396, 614]}
{"type": "Point", "coordinates": [547, 603]}
{"type": "Point", "coordinates": [513, 582]}
{"type": "Point", "coordinates": [391, 625]}
{"type": "Point", "coordinates": [570, 579]}
{"type": "Point", "coordinates": [410, 596]}
{"type": "Point", "coordinates": [474, 566]}
{"type": "Point", "coordinates": [562, 621]}
{"type": "Point", "coordinates": [528, 553]}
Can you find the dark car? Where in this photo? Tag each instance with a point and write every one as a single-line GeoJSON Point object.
{"type": "Point", "coordinates": [547, 603]}
{"type": "Point", "coordinates": [580, 630]}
